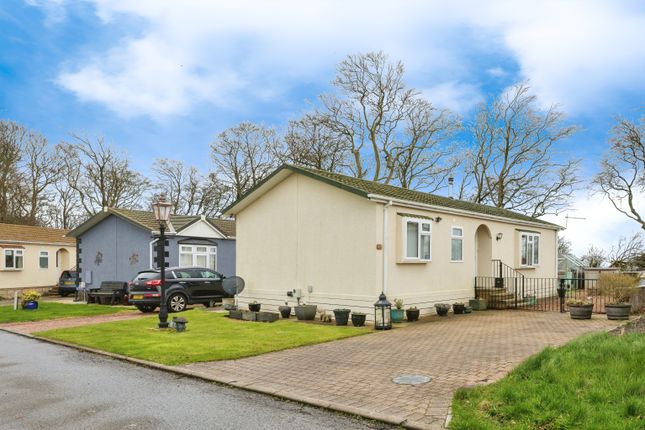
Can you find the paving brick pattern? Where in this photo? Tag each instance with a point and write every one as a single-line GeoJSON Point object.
{"type": "Point", "coordinates": [356, 374]}
{"type": "Point", "coordinates": [35, 326]}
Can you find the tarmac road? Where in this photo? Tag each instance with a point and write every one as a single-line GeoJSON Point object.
{"type": "Point", "coordinates": [45, 386]}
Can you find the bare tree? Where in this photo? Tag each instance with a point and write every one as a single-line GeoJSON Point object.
{"type": "Point", "coordinates": [622, 175]}
{"type": "Point", "coordinates": [310, 142]}
{"type": "Point", "coordinates": [626, 251]}
{"type": "Point", "coordinates": [564, 246]}
{"type": "Point", "coordinates": [513, 163]}
{"type": "Point", "coordinates": [13, 188]}
{"type": "Point", "coordinates": [42, 170]}
{"type": "Point", "coordinates": [190, 192]}
{"type": "Point", "coordinates": [594, 257]}
{"type": "Point", "coordinates": [243, 155]}
{"type": "Point", "coordinates": [100, 176]}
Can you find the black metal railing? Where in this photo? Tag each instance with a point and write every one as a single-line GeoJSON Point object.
{"type": "Point", "coordinates": [539, 294]}
{"type": "Point", "coordinates": [503, 270]}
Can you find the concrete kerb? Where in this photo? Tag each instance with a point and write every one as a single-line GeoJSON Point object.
{"type": "Point", "coordinates": [349, 410]}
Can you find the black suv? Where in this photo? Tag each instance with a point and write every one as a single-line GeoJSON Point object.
{"type": "Point", "coordinates": [67, 282]}
{"type": "Point", "coordinates": [184, 286]}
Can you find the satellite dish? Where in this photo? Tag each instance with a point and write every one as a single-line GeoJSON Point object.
{"type": "Point", "coordinates": [233, 285]}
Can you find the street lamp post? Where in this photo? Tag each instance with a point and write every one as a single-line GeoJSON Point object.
{"type": "Point", "coordinates": [161, 209]}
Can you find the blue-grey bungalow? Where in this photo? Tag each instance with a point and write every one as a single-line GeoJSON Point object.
{"type": "Point", "coordinates": [115, 244]}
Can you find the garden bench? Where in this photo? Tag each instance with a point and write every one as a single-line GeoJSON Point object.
{"type": "Point", "coordinates": [110, 292]}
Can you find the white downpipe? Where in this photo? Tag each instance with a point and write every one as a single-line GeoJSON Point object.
{"type": "Point", "coordinates": [386, 248]}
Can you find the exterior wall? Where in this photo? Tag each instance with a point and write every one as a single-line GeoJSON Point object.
{"type": "Point", "coordinates": [31, 275]}
{"type": "Point", "coordinates": [304, 233]}
{"type": "Point", "coordinates": [113, 250]}
{"type": "Point", "coordinates": [441, 280]}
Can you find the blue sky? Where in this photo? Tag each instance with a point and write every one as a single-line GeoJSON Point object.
{"type": "Point", "coordinates": [161, 78]}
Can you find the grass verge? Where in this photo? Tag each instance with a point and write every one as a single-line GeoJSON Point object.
{"type": "Point", "coordinates": [50, 311]}
{"type": "Point", "coordinates": [209, 336]}
{"type": "Point", "coordinates": [594, 382]}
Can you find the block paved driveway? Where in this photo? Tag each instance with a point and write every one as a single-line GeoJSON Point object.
{"type": "Point", "coordinates": [355, 375]}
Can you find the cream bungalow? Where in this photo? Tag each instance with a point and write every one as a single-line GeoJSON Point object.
{"type": "Point", "coordinates": [339, 241]}
{"type": "Point", "coordinates": [33, 257]}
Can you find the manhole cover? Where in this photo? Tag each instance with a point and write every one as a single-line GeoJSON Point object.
{"type": "Point", "coordinates": [411, 379]}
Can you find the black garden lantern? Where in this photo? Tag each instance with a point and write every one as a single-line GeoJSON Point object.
{"type": "Point", "coordinates": [382, 308]}
{"type": "Point", "coordinates": [161, 209]}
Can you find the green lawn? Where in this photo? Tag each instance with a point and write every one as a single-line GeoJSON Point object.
{"type": "Point", "coordinates": [50, 311]}
{"type": "Point", "coordinates": [208, 336]}
{"type": "Point", "coordinates": [594, 382]}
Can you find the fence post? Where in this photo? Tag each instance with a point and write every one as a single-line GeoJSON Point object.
{"type": "Point", "coordinates": [561, 291]}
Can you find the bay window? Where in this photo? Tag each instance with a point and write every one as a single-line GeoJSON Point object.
{"type": "Point", "coordinates": [529, 249]}
{"type": "Point", "coordinates": [418, 235]}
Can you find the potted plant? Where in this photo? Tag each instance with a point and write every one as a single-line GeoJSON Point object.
{"type": "Point", "coordinates": [619, 288]}
{"type": "Point", "coordinates": [306, 312]}
{"type": "Point", "coordinates": [254, 306]}
{"type": "Point", "coordinates": [580, 309]}
{"type": "Point", "coordinates": [442, 309]}
{"type": "Point", "coordinates": [358, 319]}
{"type": "Point", "coordinates": [285, 310]}
{"type": "Point", "coordinates": [412, 313]}
{"type": "Point", "coordinates": [458, 308]}
{"type": "Point", "coordinates": [29, 299]}
{"type": "Point", "coordinates": [397, 313]}
{"type": "Point", "coordinates": [341, 316]}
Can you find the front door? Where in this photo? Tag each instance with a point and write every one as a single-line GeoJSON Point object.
{"type": "Point", "coordinates": [483, 251]}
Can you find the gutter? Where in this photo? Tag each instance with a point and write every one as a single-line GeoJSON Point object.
{"type": "Point", "coordinates": [406, 203]}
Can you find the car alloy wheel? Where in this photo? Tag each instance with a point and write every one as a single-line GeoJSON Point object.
{"type": "Point", "coordinates": [177, 303]}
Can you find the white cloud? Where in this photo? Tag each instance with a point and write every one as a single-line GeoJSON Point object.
{"type": "Point", "coordinates": [602, 225]}
{"type": "Point", "coordinates": [497, 72]}
{"type": "Point", "coordinates": [455, 96]}
{"type": "Point", "coordinates": [577, 52]}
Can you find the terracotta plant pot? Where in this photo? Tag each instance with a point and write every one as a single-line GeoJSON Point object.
{"type": "Point", "coordinates": [341, 316]}
{"type": "Point", "coordinates": [306, 312]}
{"type": "Point", "coordinates": [397, 315]}
{"type": "Point", "coordinates": [580, 312]}
{"type": "Point", "coordinates": [619, 311]}
{"type": "Point", "coordinates": [412, 314]}
{"type": "Point", "coordinates": [358, 319]}
{"type": "Point", "coordinates": [255, 307]}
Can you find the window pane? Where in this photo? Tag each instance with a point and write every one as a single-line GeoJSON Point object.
{"type": "Point", "coordinates": [186, 249]}
{"type": "Point", "coordinates": [425, 247]}
{"type": "Point", "coordinates": [457, 249]}
{"type": "Point", "coordinates": [536, 250]}
{"type": "Point", "coordinates": [529, 252]}
{"type": "Point", "coordinates": [425, 227]}
{"type": "Point", "coordinates": [202, 249]}
{"type": "Point", "coordinates": [412, 249]}
{"type": "Point", "coordinates": [523, 245]}
{"type": "Point", "coordinates": [8, 259]}
{"type": "Point", "coordinates": [186, 260]}
{"type": "Point", "coordinates": [18, 261]}
{"type": "Point", "coordinates": [44, 260]}
{"type": "Point", "coordinates": [457, 232]}
{"type": "Point", "coordinates": [201, 260]}
{"type": "Point", "coordinates": [212, 259]}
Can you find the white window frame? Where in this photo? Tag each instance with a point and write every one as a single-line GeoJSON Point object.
{"type": "Point", "coordinates": [453, 236]}
{"type": "Point", "coordinates": [420, 233]}
{"type": "Point", "coordinates": [532, 251]}
{"type": "Point", "coordinates": [211, 255]}
{"type": "Point", "coordinates": [16, 252]}
{"type": "Point", "coordinates": [40, 255]}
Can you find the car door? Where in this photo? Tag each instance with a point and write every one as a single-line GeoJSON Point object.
{"type": "Point", "coordinates": [185, 278]}
{"type": "Point", "coordinates": [212, 282]}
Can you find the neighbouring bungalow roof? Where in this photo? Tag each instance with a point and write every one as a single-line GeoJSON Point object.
{"type": "Point", "coordinates": [367, 188]}
{"type": "Point", "coordinates": [147, 220]}
{"type": "Point", "coordinates": [14, 233]}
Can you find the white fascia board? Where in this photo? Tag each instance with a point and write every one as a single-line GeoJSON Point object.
{"type": "Point", "coordinates": [423, 206]}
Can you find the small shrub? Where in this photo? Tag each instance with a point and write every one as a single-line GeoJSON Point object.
{"type": "Point", "coordinates": [617, 286]}
{"type": "Point", "coordinates": [398, 303]}
{"type": "Point", "coordinates": [578, 302]}
{"type": "Point", "coordinates": [30, 296]}
{"type": "Point", "coordinates": [412, 308]}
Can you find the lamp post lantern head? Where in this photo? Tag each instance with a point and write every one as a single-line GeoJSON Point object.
{"type": "Point", "coordinates": [382, 317]}
{"type": "Point", "coordinates": [161, 208]}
